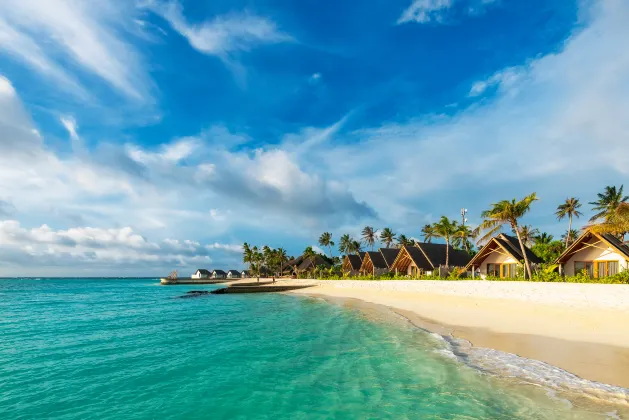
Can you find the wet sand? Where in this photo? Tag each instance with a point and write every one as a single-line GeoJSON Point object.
{"type": "Point", "coordinates": [590, 341]}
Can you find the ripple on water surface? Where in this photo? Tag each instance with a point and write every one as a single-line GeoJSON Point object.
{"type": "Point", "coordinates": [85, 348]}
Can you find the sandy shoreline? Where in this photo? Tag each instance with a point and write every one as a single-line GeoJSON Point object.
{"type": "Point", "coordinates": [580, 328]}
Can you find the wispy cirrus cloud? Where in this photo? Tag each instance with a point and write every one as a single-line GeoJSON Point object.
{"type": "Point", "coordinates": [223, 35]}
{"type": "Point", "coordinates": [48, 35]}
{"type": "Point", "coordinates": [437, 11]}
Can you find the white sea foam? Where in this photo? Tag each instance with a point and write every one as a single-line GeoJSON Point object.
{"type": "Point", "coordinates": [531, 371]}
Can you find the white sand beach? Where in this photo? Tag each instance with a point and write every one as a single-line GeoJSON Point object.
{"type": "Point", "coordinates": [581, 328]}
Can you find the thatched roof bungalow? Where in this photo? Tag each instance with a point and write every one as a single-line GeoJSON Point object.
{"type": "Point", "coordinates": [600, 255]}
{"type": "Point", "coordinates": [424, 258]}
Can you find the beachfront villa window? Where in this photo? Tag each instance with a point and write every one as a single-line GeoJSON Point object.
{"type": "Point", "coordinates": [606, 268]}
{"type": "Point", "coordinates": [493, 270]}
{"type": "Point", "coordinates": [596, 269]}
{"type": "Point", "coordinates": [508, 271]}
{"type": "Point", "coordinates": [588, 266]}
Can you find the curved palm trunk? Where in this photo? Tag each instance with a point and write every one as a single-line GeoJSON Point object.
{"type": "Point", "coordinates": [527, 265]}
{"type": "Point", "coordinates": [569, 231]}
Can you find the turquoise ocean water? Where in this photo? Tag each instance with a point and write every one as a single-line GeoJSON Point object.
{"type": "Point", "coordinates": [130, 349]}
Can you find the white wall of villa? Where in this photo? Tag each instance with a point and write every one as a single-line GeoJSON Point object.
{"type": "Point", "coordinates": [596, 251]}
{"type": "Point", "coordinates": [497, 257]}
{"type": "Point", "coordinates": [198, 275]}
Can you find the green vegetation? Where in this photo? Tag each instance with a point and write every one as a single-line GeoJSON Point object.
{"type": "Point", "coordinates": [611, 216]}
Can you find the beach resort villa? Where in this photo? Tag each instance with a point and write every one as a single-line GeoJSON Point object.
{"type": "Point", "coordinates": [201, 273]}
{"type": "Point", "coordinates": [501, 257]}
{"type": "Point", "coordinates": [245, 274]}
{"type": "Point", "coordinates": [425, 258]}
{"type": "Point", "coordinates": [600, 255]}
{"type": "Point", "coordinates": [352, 263]}
{"type": "Point", "coordinates": [377, 263]}
{"type": "Point", "coordinates": [219, 274]}
{"type": "Point", "coordinates": [233, 274]}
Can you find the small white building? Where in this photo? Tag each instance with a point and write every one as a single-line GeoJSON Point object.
{"type": "Point", "coordinates": [600, 255]}
{"type": "Point", "coordinates": [501, 257]}
{"type": "Point", "coordinates": [219, 274]}
{"type": "Point", "coordinates": [245, 274]}
{"type": "Point", "coordinates": [233, 274]}
{"type": "Point", "coordinates": [201, 273]}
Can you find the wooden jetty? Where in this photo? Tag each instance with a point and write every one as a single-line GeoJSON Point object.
{"type": "Point", "coordinates": [188, 280]}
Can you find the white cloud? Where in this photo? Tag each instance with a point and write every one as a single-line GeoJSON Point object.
{"type": "Point", "coordinates": [69, 123]}
{"type": "Point", "coordinates": [437, 11]}
{"type": "Point", "coordinates": [44, 34]}
{"type": "Point", "coordinates": [316, 77]}
{"type": "Point", "coordinates": [82, 247]}
{"type": "Point", "coordinates": [223, 35]}
{"type": "Point", "coordinates": [505, 79]}
{"type": "Point", "coordinates": [423, 11]}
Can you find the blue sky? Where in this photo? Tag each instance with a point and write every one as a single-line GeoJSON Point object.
{"type": "Point", "coordinates": [141, 136]}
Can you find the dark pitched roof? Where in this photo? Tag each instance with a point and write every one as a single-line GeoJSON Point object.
{"type": "Point", "coordinates": [418, 258]}
{"type": "Point", "coordinates": [245, 272]}
{"type": "Point", "coordinates": [512, 245]}
{"type": "Point", "coordinates": [616, 243]}
{"type": "Point", "coordinates": [219, 272]}
{"type": "Point", "coordinates": [389, 255]}
{"type": "Point", "coordinates": [232, 272]}
{"type": "Point", "coordinates": [355, 261]}
{"type": "Point", "coordinates": [377, 260]}
{"type": "Point", "coordinates": [436, 255]}
{"type": "Point", "coordinates": [294, 262]}
{"type": "Point", "coordinates": [203, 271]}
{"type": "Point", "coordinates": [307, 263]}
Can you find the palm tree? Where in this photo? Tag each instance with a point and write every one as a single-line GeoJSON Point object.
{"type": "Point", "coordinates": [508, 212]}
{"type": "Point", "coordinates": [369, 236]}
{"type": "Point", "coordinates": [569, 237]}
{"type": "Point", "coordinates": [325, 240]}
{"type": "Point", "coordinates": [355, 247]}
{"type": "Point", "coordinates": [528, 234]}
{"type": "Point", "coordinates": [257, 258]}
{"type": "Point", "coordinates": [345, 244]}
{"type": "Point", "coordinates": [446, 229]}
{"type": "Point", "coordinates": [402, 240]}
{"type": "Point", "coordinates": [311, 255]}
{"type": "Point", "coordinates": [462, 237]}
{"type": "Point", "coordinates": [247, 255]}
{"type": "Point", "coordinates": [617, 223]}
{"type": "Point", "coordinates": [280, 254]}
{"type": "Point", "coordinates": [543, 238]}
{"type": "Point", "coordinates": [608, 202]}
{"type": "Point", "coordinates": [569, 209]}
{"type": "Point", "coordinates": [387, 237]}
{"type": "Point", "coordinates": [428, 233]}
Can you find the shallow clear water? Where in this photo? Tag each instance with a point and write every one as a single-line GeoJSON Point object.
{"type": "Point", "coordinates": [113, 349]}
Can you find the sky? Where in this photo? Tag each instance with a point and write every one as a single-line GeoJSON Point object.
{"type": "Point", "coordinates": [142, 136]}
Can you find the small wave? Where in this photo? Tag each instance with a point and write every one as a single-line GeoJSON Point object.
{"type": "Point", "coordinates": [532, 371]}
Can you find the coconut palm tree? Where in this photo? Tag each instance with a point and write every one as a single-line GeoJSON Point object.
{"type": "Point", "coordinates": [387, 237]}
{"type": "Point", "coordinates": [507, 212]}
{"type": "Point", "coordinates": [355, 247]}
{"type": "Point", "coordinates": [607, 203]}
{"type": "Point", "coordinates": [428, 233]}
{"type": "Point", "coordinates": [345, 244]}
{"type": "Point", "coordinates": [311, 255]}
{"type": "Point", "coordinates": [462, 238]}
{"type": "Point", "coordinates": [402, 240]}
{"type": "Point", "coordinates": [257, 258]}
{"type": "Point", "coordinates": [528, 234]}
{"type": "Point", "coordinates": [325, 240]}
{"type": "Point", "coordinates": [446, 229]}
{"type": "Point", "coordinates": [247, 255]}
{"type": "Point", "coordinates": [369, 236]}
{"type": "Point", "coordinates": [569, 237]}
{"type": "Point", "coordinates": [543, 238]}
{"type": "Point", "coordinates": [569, 209]}
{"type": "Point", "coordinates": [617, 223]}
{"type": "Point", "coordinates": [280, 254]}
